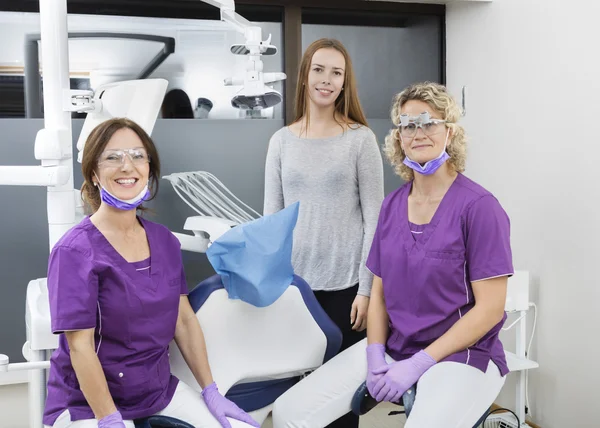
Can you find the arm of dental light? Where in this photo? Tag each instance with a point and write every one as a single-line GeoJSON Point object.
{"type": "Point", "coordinates": [33, 175]}
{"type": "Point", "coordinates": [191, 343]}
{"type": "Point", "coordinates": [52, 148]}
{"type": "Point", "coordinates": [229, 15]}
{"type": "Point", "coordinates": [88, 370]}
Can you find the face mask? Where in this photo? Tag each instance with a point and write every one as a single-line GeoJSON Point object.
{"type": "Point", "coordinates": [121, 204]}
{"type": "Point", "coordinates": [430, 166]}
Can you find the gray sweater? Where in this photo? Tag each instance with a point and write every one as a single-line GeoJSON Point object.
{"type": "Point", "coordinates": [339, 183]}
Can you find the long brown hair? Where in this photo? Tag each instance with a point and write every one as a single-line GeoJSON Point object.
{"type": "Point", "coordinates": [95, 145]}
{"type": "Point", "coordinates": [347, 104]}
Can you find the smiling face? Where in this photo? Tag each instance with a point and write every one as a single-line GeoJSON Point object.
{"type": "Point", "coordinates": [420, 147]}
{"type": "Point", "coordinates": [326, 77]}
{"type": "Point", "coordinates": [123, 166]}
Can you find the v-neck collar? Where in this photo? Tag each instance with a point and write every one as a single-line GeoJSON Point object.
{"type": "Point", "coordinates": [120, 262]}
{"type": "Point", "coordinates": [410, 242]}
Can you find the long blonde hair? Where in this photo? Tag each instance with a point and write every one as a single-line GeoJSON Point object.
{"type": "Point", "coordinates": [439, 100]}
{"type": "Point", "coordinates": [347, 104]}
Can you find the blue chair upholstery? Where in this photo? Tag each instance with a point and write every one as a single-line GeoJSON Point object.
{"type": "Point", "coordinates": [363, 402]}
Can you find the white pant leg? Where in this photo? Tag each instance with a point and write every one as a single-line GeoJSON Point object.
{"type": "Point", "coordinates": [187, 405]}
{"type": "Point", "coordinates": [64, 421]}
{"type": "Point", "coordinates": [325, 394]}
{"type": "Point", "coordinates": [454, 395]}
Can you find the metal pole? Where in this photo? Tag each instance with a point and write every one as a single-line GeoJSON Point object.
{"type": "Point", "coordinates": [521, 352]}
{"type": "Point", "coordinates": [61, 202]}
{"type": "Point", "coordinates": [55, 63]}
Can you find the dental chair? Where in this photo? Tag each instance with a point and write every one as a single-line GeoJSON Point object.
{"type": "Point", "coordinates": [256, 354]}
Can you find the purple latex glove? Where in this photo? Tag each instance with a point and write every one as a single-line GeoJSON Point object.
{"type": "Point", "coordinates": [400, 376]}
{"type": "Point", "coordinates": [114, 420]}
{"type": "Point", "coordinates": [375, 360]}
{"type": "Point", "coordinates": [222, 408]}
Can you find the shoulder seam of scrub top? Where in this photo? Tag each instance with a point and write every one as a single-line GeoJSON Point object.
{"type": "Point", "coordinates": [468, 208]}
{"type": "Point", "coordinates": [68, 238]}
{"type": "Point", "coordinates": [86, 254]}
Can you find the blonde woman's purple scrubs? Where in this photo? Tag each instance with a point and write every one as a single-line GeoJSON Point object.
{"type": "Point", "coordinates": [133, 313]}
{"type": "Point", "coordinates": [427, 270]}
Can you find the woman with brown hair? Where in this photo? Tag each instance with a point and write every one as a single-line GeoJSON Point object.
{"type": "Point", "coordinates": [329, 160]}
{"type": "Point", "coordinates": [118, 298]}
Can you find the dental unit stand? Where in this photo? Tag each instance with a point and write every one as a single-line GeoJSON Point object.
{"type": "Point", "coordinates": [53, 147]}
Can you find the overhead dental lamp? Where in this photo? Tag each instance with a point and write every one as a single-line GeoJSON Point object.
{"type": "Point", "coordinates": [255, 94]}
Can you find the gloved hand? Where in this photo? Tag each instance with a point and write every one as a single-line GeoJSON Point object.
{"type": "Point", "coordinates": [400, 376]}
{"type": "Point", "coordinates": [375, 360]}
{"type": "Point", "coordinates": [114, 420]}
{"type": "Point", "coordinates": [221, 407]}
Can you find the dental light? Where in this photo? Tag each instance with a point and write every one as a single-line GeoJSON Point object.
{"type": "Point", "coordinates": [255, 94]}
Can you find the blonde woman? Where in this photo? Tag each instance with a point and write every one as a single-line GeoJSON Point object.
{"type": "Point", "coordinates": [329, 160]}
{"type": "Point", "coordinates": [440, 257]}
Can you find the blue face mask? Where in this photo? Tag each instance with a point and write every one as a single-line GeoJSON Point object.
{"type": "Point", "coordinates": [430, 166]}
{"type": "Point", "coordinates": [125, 205]}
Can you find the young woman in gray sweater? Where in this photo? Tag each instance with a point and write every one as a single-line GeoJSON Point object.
{"type": "Point", "coordinates": [329, 160]}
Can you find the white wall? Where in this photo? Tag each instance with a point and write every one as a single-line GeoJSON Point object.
{"type": "Point", "coordinates": [532, 69]}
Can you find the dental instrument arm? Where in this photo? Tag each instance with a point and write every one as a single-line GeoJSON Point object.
{"type": "Point", "coordinates": [490, 296]}
{"type": "Point", "coordinates": [90, 375]}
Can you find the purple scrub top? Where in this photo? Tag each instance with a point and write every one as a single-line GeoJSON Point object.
{"type": "Point", "coordinates": [132, 310]}
{"type": "Point", "coordinates": [427, 270]}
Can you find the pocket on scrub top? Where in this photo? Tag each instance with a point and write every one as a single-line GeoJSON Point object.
{"type": "Point", "coordinates": [175, 282]}
{"type": "Point", "coordinates": [450, 255]}
{"type": "Point", "coordinates": [128, 385]}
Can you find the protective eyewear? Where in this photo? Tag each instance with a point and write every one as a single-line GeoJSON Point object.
{"type": "Point", "coordinates": [409, 125]}
{"type": "Point", "coordinates": [116, 158]}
